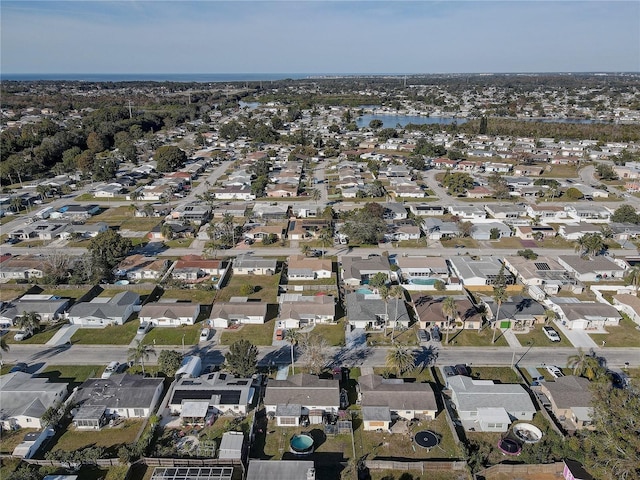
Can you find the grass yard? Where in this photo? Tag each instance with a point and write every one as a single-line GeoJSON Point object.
{"type": "Point", "coordinates": [418, 374]}
{"type": "Point", "coordinates": [626, 334]}
{"type": "Point", "coordinates": [539, 339]}
{"type": "Point", "coordinates": [10, 292]}
{"type": "Point", "coordinates": [173, 335]}
{"type": "Point", "coordinates": [73, 293]}
{"type": "Point", "coordinates": [256, 334]}
{"type": "Point", "coordinates": [110, 438]}
{"type": "Point", "coordinates": [266, 287]}
{"type": "Point", "coordinates": [471, 338]}
{"type": "Point", "coordinates": [502, 374]}
{"type": "Point", "coordinates": [73, 374]}
{"type": "Point", "coordinates": [32, 243]}
{"type": "Point", "coordinates": [556, 242]}
{"type": "Point", "coordinates": [110, 335]}
{"type": "Point", "coordinates": [466, 242]}
{"type": "Point", "coordinates": [333, 334]}
{"type": "Point", "coordinates": [561, 171]}
{"type": "Point", "coordinates": [123, 218]}
{"type": "Point", "coordinates": [401, 446]}
{"type": "Point", "coordinates": [179, 242]}
{"type": "Point", "coordinates": [404, 337]}
{"type": "Point", "coordinates": [40, 338]}
{"type": "Point", "coordinates": [506, 242]}
{"type": "Point", "coordinates": [195, 295]}
{"type": "Point", "coordinates": [10, 439]}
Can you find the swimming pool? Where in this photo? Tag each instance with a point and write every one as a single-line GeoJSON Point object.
{"type": "Point", "coordinates": [364, 291]}
{"type": "Point", "coordinates": [422, 281]}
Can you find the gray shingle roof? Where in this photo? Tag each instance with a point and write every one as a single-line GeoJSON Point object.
{"type": "Point", "coordinates": [396, 393]}
{"type": "Point", "coordinates": [469, 395]}
{"type": "Point", "coordinates": [119, 391]}
{"type": "Point", "coordinates": [303, 389]}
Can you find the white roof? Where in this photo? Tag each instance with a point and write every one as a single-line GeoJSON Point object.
{"type": "Point", "coordinates": [494, 415]}
{"type": "Point", "coordinates": [192, 409]}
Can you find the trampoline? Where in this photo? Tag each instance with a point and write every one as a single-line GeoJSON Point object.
{"type": "Point", "coordinates": [427, 439]}
{"type": "Point", "coordinates": [508, 446]}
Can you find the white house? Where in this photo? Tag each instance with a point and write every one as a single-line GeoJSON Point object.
{"type": "Point", "coordinates": [303, 268]}
{"type": "Point", "coordinates": [224, 314]}
{"type": "Point", "coordinates": [169, 314]}
{"type": "Point", "coordinates": [593, 269]}
{"type": "Point", "coordinates": [103, 311]}
{"type": "Point", "coordinates": [253, 265]}
{"type": "Point", "coordinates": [303, 311]}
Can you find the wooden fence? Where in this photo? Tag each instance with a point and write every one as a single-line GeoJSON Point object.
{"type": "Point", "coordinates": [416, 466]}
{"type": "Point", "coordinates": [516, 470]}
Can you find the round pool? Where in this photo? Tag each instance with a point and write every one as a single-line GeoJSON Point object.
{"type": "Point", "coordinates": [301, 444]}
{"type": "Point", "coordinates": [527, 433]}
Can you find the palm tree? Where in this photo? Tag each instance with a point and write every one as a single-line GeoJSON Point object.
{"type": "Point", "coordinates": [401, 359]}
{"type": "Point", "coordinates": [305, 249]}
{"type": "Point", "coordinates": [585, 365]}
{"type": "Point", "coordinates": [316, 195]}
{"type": "Point", "coordinates": [135, 195]}
{"type": "Point", "coordinates": [167, 231]}
{"type": "Point", "coordinates": [16, 203]}
{"type": "Point", "coordinates": [590, 244]}
{"type": "Point", "coordinates": [141, 353]}
{"type": "Point", "coordinates": [292, 336]}
{"type": "Point", "coordinates": [383, 291]}
{"type": "Point", "coordinates": [396, 292]}
{"type": "Point", "coordinates": [28, 321]}
{"type": "Point", "coordinates": [4, 347]}
{"type": "Point", "coordinates": [549, 315]}
{"type": "Point", "coordinates": [499, 296]}
{"type": "Point", "coordinates": [326, 238]}
{"type": "Point", "coordinates": [633, 278]}
{"type": "Point", "coordinates": [449, 310]}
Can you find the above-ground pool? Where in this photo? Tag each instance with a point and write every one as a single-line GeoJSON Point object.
{"type": "Point", "coordinates": [364, 291]}
{"type": "Point", "coordinates": [426, 439]}
{"type": "Point", "coordinates": [301, 444]}
{"type": "Point", "coordinates": [527, 433]}
{"type": "Point", "coordinates": [422, 281]}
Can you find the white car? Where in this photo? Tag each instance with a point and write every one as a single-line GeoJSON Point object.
{"type": "Point", "coordinates": [21, 335]}
{"type": "Point", "coordinates": [204, 335]}
{"type": "Point", "coordinates": [551, 334]}
{"type": "Point", "coordinates": [554, 371]}
{"type": "Point", "coordinates": [112, 368]}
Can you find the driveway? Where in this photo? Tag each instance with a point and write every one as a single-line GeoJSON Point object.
{"type": "Point", "coordinates": [579, 338]}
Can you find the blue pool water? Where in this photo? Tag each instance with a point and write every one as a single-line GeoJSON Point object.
{"type": "Point", "coordinates": [301, 443]}
{"type": "Point", "coordinates": [364, 291]}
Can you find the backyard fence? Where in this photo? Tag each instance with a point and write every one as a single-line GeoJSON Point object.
{"type": "Point", "coordinates": [189, 462]}
{"type": "Point", "coordinates": [416, 466]}
{"type": "Point", "coordinates": [522, 469]}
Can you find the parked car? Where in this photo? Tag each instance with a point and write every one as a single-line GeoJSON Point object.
{"type": "Point", "coordinates": [19, 367]}
{"type": "Point", "coordinates": [435, 334]}
{"type": "Point", "coordinates": [449, 371]}
{"type": "Point", "coordinates": [423, 335]}
{"type": "Point", "coordinates": [22, 335]}
{"type": "Point", "coordinates": [144, 327]}
{"type": "Point", "coordinates": [280, 334]}
{"type": "Point", "coordinates": [462, 369]}
{"type": "Point", "coordinates": [112, 368]}
{"type": "Point", "coordinates": [554, 371]}
{"type": "Point", "coordinates": [204, 335]}
{"type": "Point", "coordinates": [551, 334]}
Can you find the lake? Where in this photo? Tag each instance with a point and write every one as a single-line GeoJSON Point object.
{"type": "Point", "coordinates": [390, 121]}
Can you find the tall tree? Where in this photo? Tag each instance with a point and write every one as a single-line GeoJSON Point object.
{"type": "Point", "coordinates": [316, 195]}
{"type": "Point", "coordinates": [28, 321]}
{"type": "Point", "coordinates": [107, 249]}
{"type": "Point", "coordinates": [169, 158]}
{"type": "Point", "coordinates": [449, 310]}
{"type": "Point", "coordinates": [396, 292]}
{"type": "Point", "coordinates": [140, 353]}
{"type": "Point", "coordinates": [292, 336]}
{"type": "Point", "coordinates": [633, 278]}
{"type": "Point", "coordinates": [585, 365]}
{"type": "Point", "coordinates": [401, 359]}
{"type": "Point", "coordinates": [242, 358]}
{"type": "Point", "coordinates": [590, 244]}
{"type": "Point", "coordinates": [169, 362]}
{"type": "Point", "coordinates": [499, 296]}
{"type": "Point", "coordinates": [314, 353]}
{"type": "Point", "coordinates": [549, 316]}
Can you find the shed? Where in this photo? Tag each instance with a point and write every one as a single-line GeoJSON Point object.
{"type": "Point", "coordinates": [191, 367]}
{"type": "Point", "coordinates": [231, 445]}
{"type": "Point", "coordinates": [375, 418]}
{"type": "Point", "coordinates": [288, 415]}
{"type": "Point", "coordinates": [316, 417]}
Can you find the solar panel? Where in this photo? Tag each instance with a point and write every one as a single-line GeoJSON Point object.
{"type": "Point", "coordinates": [226, 397]}
{"type": "Point", "coordinates": [542, 266]}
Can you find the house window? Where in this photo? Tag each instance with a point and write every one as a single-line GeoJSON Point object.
{"type": "Point", "coordinates": [494, 425]}
{"type": "Point", "coordinates": [138, 412]}
{"type": "Point", "coordinates": [287, 421]}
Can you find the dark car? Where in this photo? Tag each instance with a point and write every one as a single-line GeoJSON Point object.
{"type": "Point", "coordinates": [423, 335]}
{"type": "Point", "coordinates": [462, 369]}
{"type": "Point", "coordinates": [19, 367]}
{"type": "Point", "coordinates": [449, 371]}
{"type": "Point", "coordinates": [435, 334]}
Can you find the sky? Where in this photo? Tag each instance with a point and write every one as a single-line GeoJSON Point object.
{"type": "Point", "coordinates": [315, 37]}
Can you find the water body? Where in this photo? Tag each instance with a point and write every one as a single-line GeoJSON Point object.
{"type": "Point", "coordinates": [390, 121]}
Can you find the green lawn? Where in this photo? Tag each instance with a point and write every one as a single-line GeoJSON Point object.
{"type": "Point", "coordinates": [73, 374]}
{"type": "Point", "coordinates": [503, 374]}
{"type": "Point", "coordinates": [404, 337]}
{"type": "Point", "coordinates": [40, 338]}
{"type": "Point", "coordinates": [195, 295]}
{"type": "Point", "coordinates": [256, 334]}
{"type": "Point", "coordinates": [561, 171]}
{"type": "Point", "coordinates": [333, 334]}
{"type": "Point", "coordinates": [467, 242]}
{"type": "Point", "coordinates": [10, 439]}
{"type": "Point", "coordinates": [73, 293]}
{"type": "Point", "coordinates": [179, 243]}
{"type": "Point", "coordinates": [539, 339]}
{"type": "Point", "coordinates": [123, 218]}
{"type": "Point", "coordinates": [173, 335]}
{"type": "Point", "coordinates": [471, 338]}
{"type": "Point", "coordinates": [110, 438]}
{"type": "Point", "coordinates": [624, 335]}
{"type": "Point", "coordinates": [556, 242]}
{"type": "Point", "coordinates": [110, 335]}
{"type": "Point", "coordinates": [10, 292]}
{"type": "Point", "coordinates": [418, 374]}
{"type": "Point", "coordinates": [506, 242]}
{"type": "Point", "coordinates": [266, 287]}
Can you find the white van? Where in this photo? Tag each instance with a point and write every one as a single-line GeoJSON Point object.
{"type": "Point", "coordinates": [110, 370]}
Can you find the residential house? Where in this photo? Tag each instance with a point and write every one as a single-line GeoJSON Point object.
{"type": "Point", "coordinates": [254, 265]}
{"type": "Point", "coordinates": [468, 212]}
{"type": "Point", "coordinates": [119, 396]}
{"type": "Point", "coordinates": [575, 232]}
{"type": "Point", "coordinates": [622, 232]}
{"type": "Point", "coordinates": [234, 193]}
{"type": "Point", "coordinates": [394, 211]}
{"type": "Point", "coordinates": [419, 267]}
{"type": "Point", "coordinates": [546, 213]}
{"type": "Point", "coordinates": [140, 267]}
{"type": "Point", "coordinates": [628, 304]}
{"type": "Point", "coordinates": [407, 191]}
{"type": "Point", "coordinates": [193, 268]}
{"type": "Point", "coordinates": [370, 311]}
{"type": "Point", "coordinates": [235, 209]}
{"type": "Point", "coordinates": [588, 213]}
{"type": "Point", "coordinates": [485, 406]}
{"type": "Point", "coordinates": [534, 232]}
{"type": "Point", "coordinates": [592, 269]}
{"type": "Point", "coordinates": [301, 394]}
{"type": "Point", "coordinates": [303, 228]}
{"type": "Point", "coordinates": [25, 398]}
{"type": "Point", "coordinates": [480, 271]}
{"type": "Point", "coordinates": [218, 393]}
{"type": "Point", "coordinates": [103, 311]}
{"type": "Point", "coordinates": [23, 267]}
{"type": "Point", "coordinates": [586, 315]}
{"type": "Point", "coordinates": [426, 209]}
{"type": "Point", "coordinates": [281, 191]}
{"type": "Point", "coordinates": [429, 312]}
{"type": "Point", "coordinates": [40, 229]}
{"type": "Point", "coordinates": [304, 268]}
{"type": "Point", "coordinates": [48, 307]}
{"type": "Point", "coordinates": [174, 230]}
{"type": "Point", "coordinates": [402, 230]}
{"type": "Point", "coordinates": [399, 398]}
{"type": "Point", "coordinates": [298, 311]}
{"type": "Point", "coordinates": [505, 212]}
{"type": "Point", "coordinates": [357, 270]}
{"type": "Point", "coordinates": [109, 190]}
{"type": "Point", "coordinates": [224, 314]}
{"type": "Point", "coordinates": [517, 312]}
{"type": "Point", "coordinates": [479, 191]}
{"type": "Point", "coordinates": [543, 272]}
{"type": "Point", "coordinates": [197, 213]}
{"type": "Point", "coordinates": [169, 314]}
{"type": "Point", "coordinates": [436, 229]}
{"type": "Point", "coordinates": [259, 232]}
{"type": "Point", "coordinates": [485, 231]}
{"type": "Point", "coordinates": [571, 401]}
{"type": "Point", "coordinates": [86, 230]}
{"type": "Point", "coordinates": [76, 213]}
{"type": "Point", "coordinates": [573, 470]}
{"type": "Point", "coordinates": [155, 193]}
{"type": "Point", "coordinates": [264, 211]}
